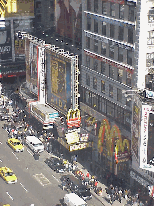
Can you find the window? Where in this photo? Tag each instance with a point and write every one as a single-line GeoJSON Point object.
{"type": "Point", "coordinates": [103, 48]}
{"type": "Point", "coordinates": [87, 97]}
{"type": "Point", "coordinates": [95, 101]}
{"type": "Point", "coordinates": [120, 54]}
{"type": "Point", "coordinates": [151, 15]}
{"type": "Point", "coordinates": [87, 61]}
{"type": "Point", "coordinates": [102, 86]}
{"type": "Point", "coordinates": [38, 4]}
{"type": "Point", "coordinates": [120, 75]}
{"type": "Point", "coordinates": [112, 30]}
{"type": "Point", "coordinates": [128, 102]}
{"type": "Point", "coordinates": [95, 45]}
{"type": "Point", "coordinates": [111, 49]}
{"type": "Point", "coordinates": [52, 3]}
{"type": "Point", "coordinates": [131, 13]}
{"type": "Point", "coordinates": [89, 5]}
{"type": "Point", "coordinates": [129, 57]}
{"type": "Point", "coordinates": [38, 18]}
{"type": "Point", "coordinates": [95, 26]}
{"type": "Point", "coordinates": [87, 79]}
{"type": "Point", "coordinates": [150, 37]}
{"type": "Point", "coordinates": [87, 43]}
{"type": "Point", "coordinates": [104, 8]}
{"type": "Point", "coordinates": [119, 114]}
{"type": "Point", "coordinates": [52, 17]}
{"type": "Point", "coordinates": [128, 78]}
{"type": "Point", "coordinates": [150, 59]}
{"type": "Point", "coordinates": [111, 71]}
{"type": "Point", "coordinates": [96, 6]}
{"type": "Point", "coordinates": [130, 36]}
{"type": "Point", "coordinates": [121, 11]}
{"type": "Point", "coordinates": [95, 61]}
{"type": "Point", "coordinates": [94, 83]}
{"type": "Point", "coordinates": [102, 67]}
{"type": "Point", "coordinates": [103, 106]}
{"type": "Point", "coordinates": [110, 91]}
{"type": "Point", "coordinates": [119, 95]}
{"type": "Point", "coordinates": [104, 28]}
{"type": "Point", "coordinates": [112, 9]}
{"type": "Point", "coordinates": [121, 33]}
{"type": "Point", "coordinates": [110, 109]}
{"type": "Point", "coordinates": [88, 23]}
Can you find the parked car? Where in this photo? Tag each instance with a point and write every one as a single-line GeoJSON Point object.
{"type": "Point", "coordinates": [55, 164]}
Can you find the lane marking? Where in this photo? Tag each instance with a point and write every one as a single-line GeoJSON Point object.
{"type": "Point", "coordinates": [55, 178]}
{"type": "Point", "coordinates": [23, 187]}
{"type": "Point", "coordinates": [15, 155]}
{"type": "Point", "coordinates": [9, 196]}
{"type": "Point", "coordinates": [29, 152]}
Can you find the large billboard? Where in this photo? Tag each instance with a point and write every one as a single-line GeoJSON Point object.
{"type": "Point", "coordinates": [147, 139]}
{"type": "Point", "coordinates": [5, 43]}
{"type": "Point", "coordinates": [19, 47]}
{"type": "Point", "coordinates": [68, 17]}
{"type": "Point", "coordinates": [59, 76]}
{"type": "Point", "coordinates": [27, 60]}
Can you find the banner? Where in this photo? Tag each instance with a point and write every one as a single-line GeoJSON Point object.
{"type": "Point", "coordinates": [27, 60]}
{"type": "Point", "coordinates": [144, 139]}
{"type": "Point", "coordinates": [19, 47]}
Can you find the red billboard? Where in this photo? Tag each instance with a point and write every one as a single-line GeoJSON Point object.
{"type": "Point", "coordinates": [68, 17]}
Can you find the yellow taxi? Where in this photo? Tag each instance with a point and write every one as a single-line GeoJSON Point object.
{"type": "Point", "coordinates": [8, 175]}
{"type": "Point", "coordinates": [16, 145]}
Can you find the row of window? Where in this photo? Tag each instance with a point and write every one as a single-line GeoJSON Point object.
{"type": "Point", "coordinates": [103, 87]}
{"type": "Point", "coordinates": [112, 10]}
{"type": "Point", "coordinates": [113, 28]}
{"type": "Point", "coordinates": [105, 47]}
{"type": "Point", "coordinates": [106, 107]}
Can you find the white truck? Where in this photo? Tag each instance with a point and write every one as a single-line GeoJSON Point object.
{"type": "Point", "coordinates": [72, 199]}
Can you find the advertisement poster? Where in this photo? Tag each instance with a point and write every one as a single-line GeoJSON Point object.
{"type": "Point", "coordinates": [136, 130]}
{"type": "Point", "coordinates": [60, 82]}
{"type": "Point", "coordinates": [5, 44]}
{"type": "Point", "coordinates": [146, 162]}
{"type": "Point", "coordinates": [68, 18]}
{"type": "Point", "coordinates": [19, 47]}
{"type": "Point", "coordinates": [27, 60]}
{"type": "Point", "coordinates": [33, 64]}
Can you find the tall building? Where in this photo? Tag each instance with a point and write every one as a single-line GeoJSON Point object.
{"type": "Point", "coordinates": [111, 65]}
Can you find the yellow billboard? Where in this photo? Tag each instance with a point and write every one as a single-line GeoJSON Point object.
{"type": "Point", "coordinates": [72, 137]}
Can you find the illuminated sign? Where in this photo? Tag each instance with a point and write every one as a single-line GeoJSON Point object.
{"type": "Point", "coordinates": [84, 137]}
{"type": "Point", "coordinates": [73, 118]}
{"type": "Point", "coordinates": [72, 137]}
{"type": "Point", "coordinates": [19, 47]}
{"type": "Point", "coordinates": [38, 112]}
{"type": "Point", "coordinates": [77, 146]}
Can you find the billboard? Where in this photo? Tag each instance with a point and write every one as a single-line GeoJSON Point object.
{"type": "Point", "coordinates": [18, 8]}
{"type": "Point", "coordinates": [59, 81]}
{"type": "Point", "coordinates": [147, 140]}
{"type": "Point", "coordinates": [27, 59]}
{"type": "Point", "coordinates": [19, 47]}
{"type": "Point", "coordinates": [33, 64]}
{"type": "Point", "coordinates": [5, 43]}
{"type": "Point", "coordinates": [68, 17]}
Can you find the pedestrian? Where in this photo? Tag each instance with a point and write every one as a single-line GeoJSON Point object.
{"type": "Point", "coordinates": [141, 204]}
{"type": "Point", "coordinates": [63, 185]}
{"type": "Point", "coordinates": [95, 185]}
{"type": "Point", "coordinates": [120, 195]}
{"type": "Point", "coordinates": [126, 194]}
{"type": "Point", "coordinates": [87, 175]}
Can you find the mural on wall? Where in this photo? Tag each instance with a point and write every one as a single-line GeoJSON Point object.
{"type": "Point", "coordinates": [111, 139]}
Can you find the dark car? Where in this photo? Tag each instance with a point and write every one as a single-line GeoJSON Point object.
{"type": "Point", "coordinates": [83, 192]}
{"type": "Point", "coordinates": [4, 116]}
{"type": "Point", "coordinates": [55, 164]}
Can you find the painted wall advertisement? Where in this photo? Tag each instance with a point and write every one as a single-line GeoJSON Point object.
{"type": "Point", "coordinates": [145, 146]}
{"type": "Point", "coordinates": [68, 18]}
{"type": "Point", "coordinates": [5, 43]}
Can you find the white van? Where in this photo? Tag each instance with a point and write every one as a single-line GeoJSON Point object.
{"type": "Point", "coordinates": [35, 144]}
{"type": "Point", "coordinates": [72, 199]}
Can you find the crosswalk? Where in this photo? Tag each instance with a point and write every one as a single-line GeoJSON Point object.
{"type": "Point", "coordinates": [42, 179]}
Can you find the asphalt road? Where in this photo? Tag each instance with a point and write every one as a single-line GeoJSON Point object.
{"type": "Point", "coordinates": [37, 184]}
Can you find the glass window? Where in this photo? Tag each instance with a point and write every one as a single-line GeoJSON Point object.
{"type": "Point", "coordinates": [128, 102]}
{"type": "Point", "coordinates": [102, 86]}
{"type": "Point", "coordinates": [112, 9]}
{"type": "Point", "coordinates": [38, 18]}
{"type": "Point", "coordinates": [151, 15]}
{"type": "Point", "coordinates": [87, 61]}
{"type": "Point", "coordinates": [104, 8]}
{"type": "Point", "coordinates": [52, 17]}
{"type": "Point", "coordinates": [110, 109]}
{"type": "Point", "coordinates": [95, 26]}
{"type": "Point", "coordinates": [103, 48]}
{"type": "Point", "coordinates": [120, 75]}
{"type": "Point", "coordinates": [89, 5]}
{"type": "Point", "coordinates": [95, 101]}
{"type": "Point", "coordinates": [88, 79]}
{"type": "Point", "coordinates": [131, 13]}
{"type": "Point", "coordinates": [87, 97]}
{"type": "Point", "coordinates": [111, 71]}
{"type": "Point", "coordinates": [38, 4]}
{"type": "Point", "coordinates": [87, 43]}
{"type": "Point", "coordinates": [119, 95]}
{"type": "Point", "coordinates": [52, 3]}
{"type": "Point", "coordinates": [120, 54]}
{"type": "Point", "coordinates": [95, 64]}
{"type": "Point", "coordinates": [96, 6]}
{"type": "Point", "coordinates": [94, 83]}
{"type": "Point", "coordinates": [110, 91]}
{"type": "Point", "coordinates": [103, 105]}
{"type": "Point", "coordinates": [129, 57]}
{"type": "Point", "coordinates": [119, 114]}
{"type": "Point", "coordinates": [88, 23]}
{"type": "Point", "coordinates": [121, 33]}
{"type": "Point", "coordinates": [150, 37]}
{"type": "Point", "coordinates": [127, 118]}
{"type": "Point", "coordinates": [103, 67]}
{"type": "Point", "coordinates": [128, 78]}
{"type": "Point", "coordinates": [104, 28]}
{"type": "Point", "coordinates": [130, 36]}
{"type": "Point", "coordinates": [150, 59]}
{"type": "Point", "coordinates": [111, 49]}
{"type": "Point", "coordinates": [112, 30]}
{"type": "Point", "coordinates": [95, 45]}
{"type": "Point", "coordinates": [121, 11]}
